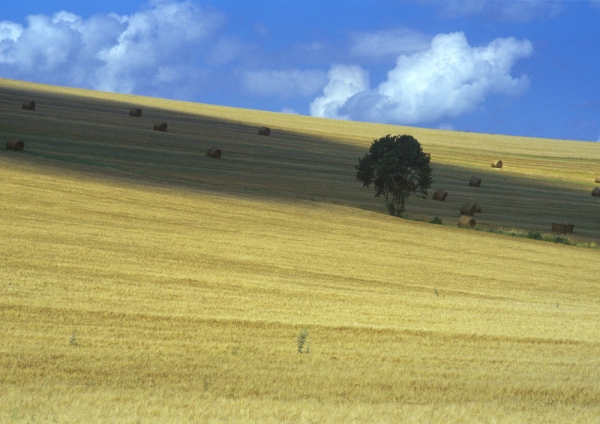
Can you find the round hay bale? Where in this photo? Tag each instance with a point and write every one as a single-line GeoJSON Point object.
{"type": "Point", "coordinates": [477, 208]}
{"type": "Point", "coordinates": [264, 131]}
{"type": "Point", "coordinates": [468, 209]}
{"type": "Point", "coordinates": [15, 143]}
{"type": "Point", "coordinates": [597, 179]}
{"type": "Point", "coordinates": [135, 111]}
{"type": "Point", "coordinates": [596, 192]}
{"type": "Point", "coordinates": [467, 222]}
{"type": "Point", "coordinates": [497, 164]}
{"type": "Point", "coordinates": [160, 126]}
{"type": "Point", "coordinates": [440, 195]}
{"type": "Point", "coordinates": [214, 152]}
{"type": "Point", "coordinates": [474, 182]}
{"type": "Point", "coordinates": [29, 105]}
{"type": "Point", "coordinates": [562, 227]}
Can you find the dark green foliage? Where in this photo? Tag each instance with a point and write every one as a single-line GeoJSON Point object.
{"type": "Point", "coordinates": [397, 167]}
{"type": "Point", "coordinates": [436, 220]}
{"type": "Point", "coordinates": [534, 235]}
{"type": "Point", "coordinates": [301, 339]}
{"type": "Point", "coordinates": [72, 339]}
{"type": "Point", "coordinates": [561, 240]}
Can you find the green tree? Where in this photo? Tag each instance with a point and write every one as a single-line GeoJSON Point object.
{"type": "Point", "coordinates": [397, 167]}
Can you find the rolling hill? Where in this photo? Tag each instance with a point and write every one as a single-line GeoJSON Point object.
{"type": "Point", "coordinates": [144, 281]}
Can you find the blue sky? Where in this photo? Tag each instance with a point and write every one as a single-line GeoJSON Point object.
{"type": "Point", "coordinates": [529, 67]}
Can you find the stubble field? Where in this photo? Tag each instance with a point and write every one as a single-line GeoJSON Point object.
{"type": "Point", "coordinates": [144, 282]}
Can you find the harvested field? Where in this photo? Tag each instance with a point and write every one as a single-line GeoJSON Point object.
{"type": "Point", "coordinates": [146, 283]}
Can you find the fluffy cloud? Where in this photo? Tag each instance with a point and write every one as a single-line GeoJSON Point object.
{"type": "Point", "coordinates": [448, 79]}
{"type": "Point", "coordinates": [154, 46]}
{"type": "Point", "coordinates": [387, 43]}
{"type": "Point", "coordinates": [286, 83]}
{"type": "Point", "coordinates": [168, 33]}
{"type": "Point", "coordinates": [344, 83]}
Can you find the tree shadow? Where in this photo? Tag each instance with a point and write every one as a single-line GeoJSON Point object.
{"type": "Point", "coordinates": [99, 138]}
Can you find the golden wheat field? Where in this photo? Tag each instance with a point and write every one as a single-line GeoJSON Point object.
{"type": "Point", "coordinates": [144, 282]}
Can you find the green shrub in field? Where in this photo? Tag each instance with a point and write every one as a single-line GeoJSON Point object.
{"type": "Point", "coordinates": [534, 235]}
{"type": "Point", "coordinates": [303, 346]}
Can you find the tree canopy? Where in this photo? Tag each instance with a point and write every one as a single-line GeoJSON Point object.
{"type": "Point", "coordinates": [397, 167]}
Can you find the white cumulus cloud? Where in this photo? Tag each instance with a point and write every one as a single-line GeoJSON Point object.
{"type": "Point", "coordinates": [136, 53]}
{"type": "Point", "coordinates": [446, 80]}
{"type": "Point", "coordinates": [284, 83]}
{"type": "Point", "coordinates": [168, 33]}
{"type": "Point", "coordinates": [344, 82]}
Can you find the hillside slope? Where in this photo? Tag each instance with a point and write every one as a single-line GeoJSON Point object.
{"type": "Point", "coordinates": [143, 281]}
{"type": "Point", "coordinates": [542, 181]}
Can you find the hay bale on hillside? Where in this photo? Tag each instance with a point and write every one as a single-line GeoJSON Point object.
{"type": "Point", "coordinates": [264, 131]}
{"type": "Point", "coordinates": [214, 152]}
{"type": "Point", "coordinates": [477, 208]}
{"type": "Point", "coordinates": [468, 209]}
{"type": "Point", "coordinates": [596, 192]}
{"type": "Point", "coordinates": [135, 111]}
{"type": "Point", "coordinates": [597, 179]}
{"type": "Point", "coordinates": [29, 105]}
{"type": "Point", "coordinates": [440, 195]}
{"type": "Point", "coordinates": [474, 182]}
{"type": "Point", "coordinates": [15, 143]}
{"type": "Point", "coordinates": [160, 126]}
{"type": "Point", "coordinates": [466, 222]}
{"type": "Point", "coordinates": [497, 164]}
{"type": "Point", "coordinates": [427, 155]}
{"type": "Point", "coordinates": [562, 227]}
